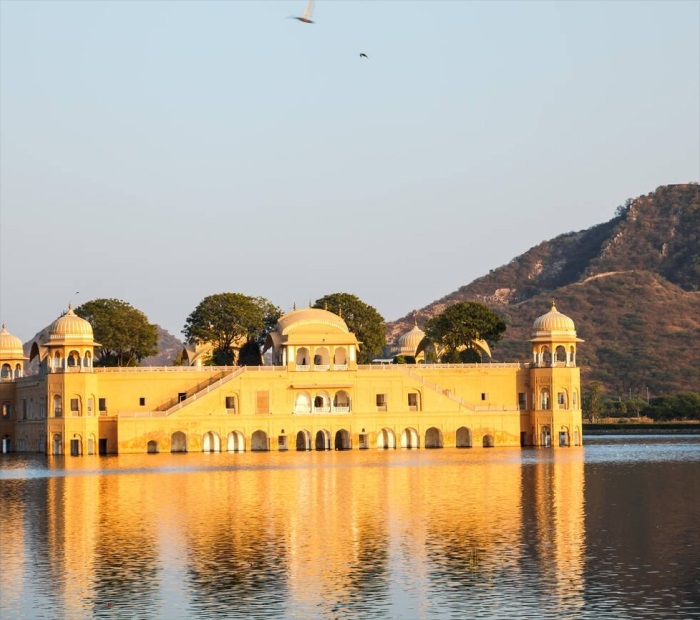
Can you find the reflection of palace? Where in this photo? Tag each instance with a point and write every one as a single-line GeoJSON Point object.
{"type": "Point", "coordinates": [314, 396]}
{"type": "Point", "coordinates": [338, 530]}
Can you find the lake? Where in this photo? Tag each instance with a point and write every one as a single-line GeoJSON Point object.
{"type": "Point", "coordinates": [609, 530]}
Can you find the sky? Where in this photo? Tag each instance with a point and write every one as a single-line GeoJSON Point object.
{"type": "Point", "coordinates": [162, 151]}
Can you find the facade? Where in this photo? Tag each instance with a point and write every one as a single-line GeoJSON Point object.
{"type": "Point", "coordinates": [313, 396]}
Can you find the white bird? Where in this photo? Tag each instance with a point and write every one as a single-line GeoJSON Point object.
{"type": "Point", "coordinates": [306, 16]}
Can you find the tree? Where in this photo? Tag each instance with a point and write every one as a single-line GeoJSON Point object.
{"type": "Point", "coordinates": [362, 319]}
{"type": "Point", "coordinates": [123, 333]}
{"type": "Point", "coordinates": [591, 405]}
{"type": "Point", "coordinates": [229, 320]}
{"type": "Point", "coordinates": [460, 325]}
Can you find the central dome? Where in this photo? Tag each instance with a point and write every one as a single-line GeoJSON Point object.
{"type": "Point", "coordinates": [311, 318]}
{"type": "Point", "coordinates": [411, 339]}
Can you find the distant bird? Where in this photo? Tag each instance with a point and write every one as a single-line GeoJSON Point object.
{"type": "Point", "coordinates": [306, 16]}
{"type": "Point", "coordinates": [363, 55]}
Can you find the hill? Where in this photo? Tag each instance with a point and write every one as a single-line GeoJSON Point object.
{"type": "Point", "coordinates": [631, 285]}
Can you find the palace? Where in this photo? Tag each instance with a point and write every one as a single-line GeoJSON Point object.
{"type": "Point", "coordinates": [312, 396]}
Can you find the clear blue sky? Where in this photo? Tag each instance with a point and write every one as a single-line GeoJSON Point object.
{"type": "Point", "coordinates": [160, 152]}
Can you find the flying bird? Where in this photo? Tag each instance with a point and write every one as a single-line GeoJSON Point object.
{"type": "Point", "coordinates": [363, 55]}
{"type": "Point", "coordinates": [306, 16]}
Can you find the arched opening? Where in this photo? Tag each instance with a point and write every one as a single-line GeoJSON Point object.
{"type": "Point", "coordinates": [259, 442]}
{"type": "Point", "coordinates": [340, 358]}
{"type": "Point", "coordinates": [178, 442]}
{"type": "Point", "coordinates": [57, 444]}
{"type": "Point", "coordinates": [235, 442]}
{"type": "Point", "coordinates": [6, 372]}
{"type": "Point", "coordinates": [562, 400]}
{"type": "Point", "coordinates": [572, 356]}
{"type": "Point", "coordinates": [564, 437]}
{"type": "Point", "coordinates": [433, 438]}
{"type": "Point", "coordinates": [464, 437]}
{"type": "Point", "coordinates": [211, 442]}
{"type": "Point", "coordinates": [303, 359]}
{"type": "Point", "coordinates": [303, 441]}
{"type": "Point", "coordinates": [323, 440]}
{"type": "Point", "coordinates": [544, 398]}
{"type": "Point", "coordinates": [57, 406]}
{"type": "Point", "coordinates": [488, 441]}
{"type": "Point", "coordinates": [87, 360]}
{"type": "Point", "coordinates": [545, 437]}
{"type": "Point", "coordinates": [302, 403]}
{"type": "Point", "coordinates": [560, 355]}
{"type": "Point", "coordinates": [322, 359]}
{"type": "Point", "coordinates": [342, 440]}
{"type": "Point", "coordinates": [322, 402]}
{"type": "Point", "coordinates": [409, 438]}
{"type": "Point", "coordinates": [341, 402]}
{"type": "Point", "coordinates": [18, 371]}
{"type": "Point", "coordinates": [386, 439]}
{"type": "Point", "coordinates": [6, 410]}
{"type": "Point", "coordinates": [152, 447]}
{"type": "Point", "coordinates": [546, 356]}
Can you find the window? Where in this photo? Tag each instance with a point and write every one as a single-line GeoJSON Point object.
{"type": "Point", "coordinates": [231, 402]}
{"type": "Point", "coordinates": [74, 405]}
{"type": "Point", "coordinates": [142, 402]}
{"type": "Point", "coordinates": [484, 396]}
{"type": "Point", "coordinates": [6, 409]}
{"type": "Point", "coordinates": [522, 400]}
{"type": "Point", "coordinates": [561, 400]}
{"type": "Point", "coordinates": [381, 402]}
{"type": "Point", "coordinates": [24, 408]}
{"type": "Point", "coordinates": [413, 401]}
{"type": "Point", "coordinates": [262, 402]}
{"type": "Point", "coordinates": [102, 404]}
{"type": "Point", "coordinates": [282, 441]}
{"type": "Point", "coordinates": [57, 406]}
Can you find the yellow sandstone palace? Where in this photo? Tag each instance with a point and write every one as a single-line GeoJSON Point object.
{"type": "Point", "coordinates": [313, 396]}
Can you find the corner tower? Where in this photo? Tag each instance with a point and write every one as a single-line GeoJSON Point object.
{"type": "Point", "coordinates": [555, 381]}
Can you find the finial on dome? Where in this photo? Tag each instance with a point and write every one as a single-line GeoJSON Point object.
{"type": "Point", "coordinates": [295, 305]}
{"type": "Point", "coordinates": [3, 327]}
{"type": "Point", "coordinates": [325, 306]}
{"type": "Point", "coordinates": [554, 306]}
{"type": "Point", "coordinates": [340, 311]}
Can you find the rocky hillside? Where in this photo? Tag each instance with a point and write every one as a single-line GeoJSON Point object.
{"type": "Point", "coordinates": [632, 286]}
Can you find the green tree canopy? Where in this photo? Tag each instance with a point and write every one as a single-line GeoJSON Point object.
{"type": "Point", "coordinates": [461, 324]}
{"type": "Point", "coordinates": [229, 319]}
{"type": "Point", "coordinates": [123, 333]}
{"type": "Point", "coordinates": [362, 319]}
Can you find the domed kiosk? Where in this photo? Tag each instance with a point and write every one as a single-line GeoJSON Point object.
{"type": "Point", "coordinates": [11, 356]}
{"type": "Point", "coordinates": [312, 339]}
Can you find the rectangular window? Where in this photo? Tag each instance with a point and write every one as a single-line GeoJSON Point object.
{"type": "Point", "coordinates": [102, 404]}
{"type": "Point", "coordinates": [231, 403]}
{"type": "Point", "coordinates": [24, 408]}
{"type": "Point", "coordinates": [413, 402]}
{"type": "Point", "coordinates": [74, 404]}
{"type": "Point", "coordinates": [381, 402]}
{"type": "Point", "coordinates": [282, 441]}
{"type": "Point", "coordinates": [522, 400]}
{"type": "Point", "coordinates": [142, 402]}
{"type": "Point", "coordinates": [484, 396]}
{"type": "Point", "coordinates": [561, 400]}
{"type": "Point", "coordinates": [262, 402]}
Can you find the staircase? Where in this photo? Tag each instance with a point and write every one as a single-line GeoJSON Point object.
{"type": "Point", "coordinates": [204, 388]}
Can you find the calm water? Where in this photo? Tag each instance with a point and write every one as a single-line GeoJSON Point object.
{"type": "Point", "coordinates": [611, 530]}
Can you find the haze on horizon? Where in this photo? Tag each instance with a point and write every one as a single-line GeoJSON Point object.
{"type": "Point", "coordinates": [160, 152]}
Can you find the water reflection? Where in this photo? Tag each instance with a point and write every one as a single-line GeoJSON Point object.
{"type": "Point", "coordinates": [407, 534]}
